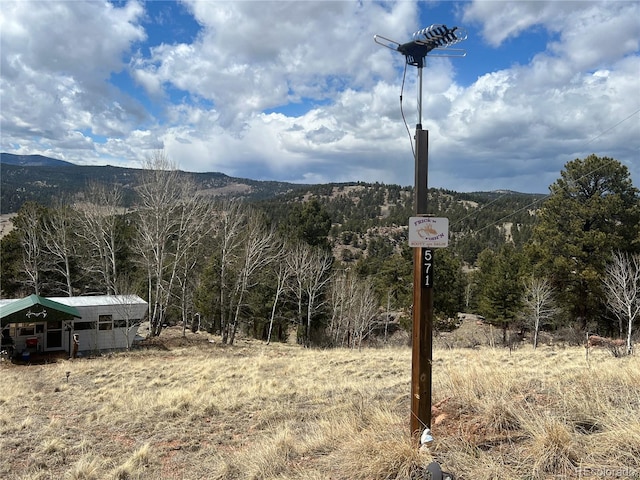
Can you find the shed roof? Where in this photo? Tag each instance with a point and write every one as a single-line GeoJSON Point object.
{"type": "Point", "coordinates": [21, 310]}
{"type": "Point", "coordinates": [99, 300]}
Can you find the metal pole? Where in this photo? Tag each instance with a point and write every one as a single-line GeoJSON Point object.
{"type": "Point", "coordinates": [419, 100]}
{"type": "Point", "coordinates": [422, 301]}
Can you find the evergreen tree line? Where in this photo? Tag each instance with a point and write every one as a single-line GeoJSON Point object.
{"type": "Point", "coordinates": [269, 268]}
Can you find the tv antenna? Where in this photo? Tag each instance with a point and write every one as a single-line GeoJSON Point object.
{"type": "Point", "coordinates": [434, 40]}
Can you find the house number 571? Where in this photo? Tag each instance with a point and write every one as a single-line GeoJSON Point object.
{"type": "Point", "coordinates": [427, 268]}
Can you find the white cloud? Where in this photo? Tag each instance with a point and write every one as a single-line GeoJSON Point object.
{"type": "Point", "coordinates": [56, 58]}
{"type": "Point", "coordinates": [501, 21]}
{"type": "Point", "coordinates": [253, 56]}
{"type": "Point", "coordinates": [299, 91]}
{"type": "Point", "coordinates": [86, 39]}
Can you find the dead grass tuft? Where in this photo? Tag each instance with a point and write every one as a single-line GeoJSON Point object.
{"type": "Point", "coordinates": [88, 467]}
{"type": "Point", "coordinates": [551, 448]}
{"type": "Point", "coordinates": [382, 449]}
{"type": "Point", "coordinates": [135, 465]}
{"type": "Point", "coordinates": [53, 445]}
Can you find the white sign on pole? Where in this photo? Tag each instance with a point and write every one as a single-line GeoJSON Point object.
{"type": "Point", "coordinates": [428, 232]}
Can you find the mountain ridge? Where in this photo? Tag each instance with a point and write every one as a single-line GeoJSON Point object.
{"type": "Point", "coordinates": [44, 161]}
{"type": "Point", "coordinates": [44, 179]}
{"type": "Point", "coordinates": [32, 160]}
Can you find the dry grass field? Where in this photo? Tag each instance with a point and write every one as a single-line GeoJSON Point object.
{"type": "Point", "coordinates": [191, 409]}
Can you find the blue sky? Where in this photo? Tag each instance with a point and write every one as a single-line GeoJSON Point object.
{"type": "Point", "coordinates": [300, 92]}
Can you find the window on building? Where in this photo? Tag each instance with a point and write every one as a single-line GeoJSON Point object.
{"type": "Point", "coordinates": [105, 322]}
{"type": "Point", "coordinates": [84, 326]}
{"type": "Point", "coordinates": [126, 323]}
{"type": "Point", "coordinates": [25, 329]}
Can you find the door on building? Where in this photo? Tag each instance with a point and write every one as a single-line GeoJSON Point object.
{"type": "Point", "coordinates": [54, 336]}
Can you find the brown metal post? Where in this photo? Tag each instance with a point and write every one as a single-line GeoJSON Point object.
{"type": "Point", "coordinates": [422, 171]}
{"type": "Point", "coordinates": [422, 300]}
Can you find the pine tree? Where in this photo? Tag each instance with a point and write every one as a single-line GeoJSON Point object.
{"type": "Point", "coordinates": [593, 209]}
{"type": "Point", "coordinates": [500, 286]}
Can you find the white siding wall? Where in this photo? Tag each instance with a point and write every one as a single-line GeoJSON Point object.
{"type": "Point", "coordinates": [115, 338]}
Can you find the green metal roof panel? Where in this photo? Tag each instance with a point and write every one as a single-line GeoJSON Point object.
{"type": "Point", "coordinates": [14, 312]}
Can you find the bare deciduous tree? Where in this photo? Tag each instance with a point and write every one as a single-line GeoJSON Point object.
{"type": "Point", "coordinates": [283, 275]}
{"type": "Point", "coordinates": [298, 261]}
{"type": "Point", "coordinates": [161, 215]}
{"type": "Point", "coordinates": [60, 242]}
{"type": "Point", "coordinates": [230, 220]}
{"type": "Point", "coordinates": [258, 252]}
{"type": "Point", "coordinates": [194, 226]}
{"type": "Point", "coordinates": [354, 308]}
{"type": "Point", "coordinates": [538, 302]}
{"type": "Point", "coordinates": [622, 287]}
{"type": "Point", "coordinates": [29, 224]}
{"type": "Point", "coordinates": [315, 279]}
{"type": "Point", "coordinates": [340, 296]}
{"type": "Point", "coordinates": [98, 215]}
{"type": "Point", "coordinates": [364, 312]}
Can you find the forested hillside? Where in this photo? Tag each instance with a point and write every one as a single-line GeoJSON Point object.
{"type": "Point", "coordinates": [371, 219]}
{"type": "Point", "coordinates": [330, 260]}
